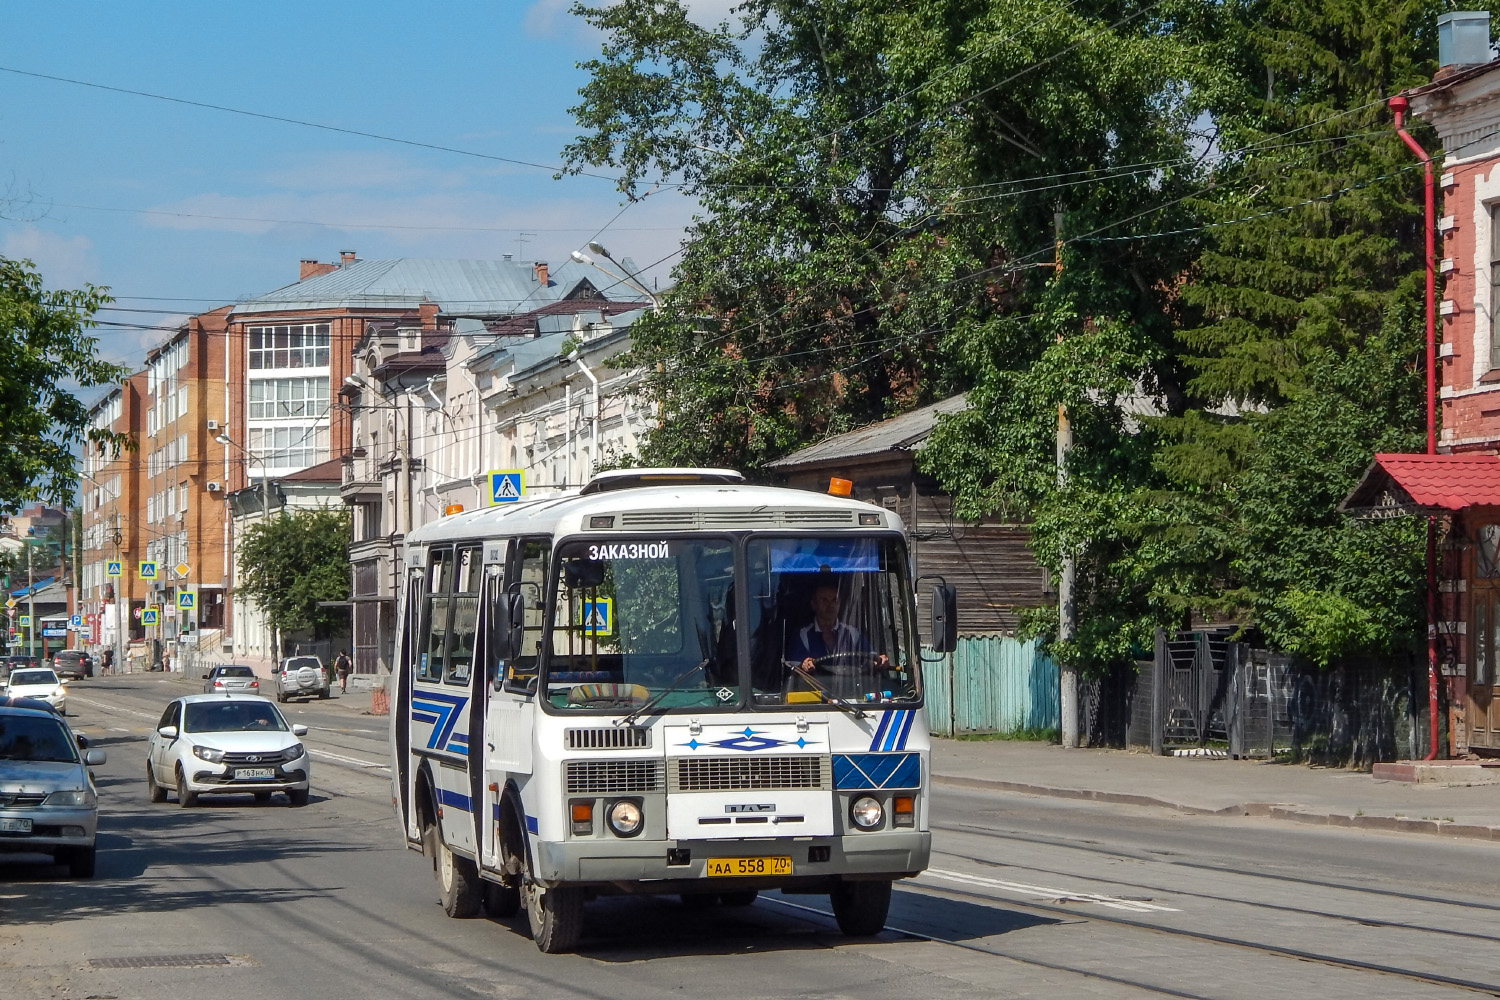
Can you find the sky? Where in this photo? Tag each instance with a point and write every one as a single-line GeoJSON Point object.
{"type": "Point", "coordinates": [178, 208]}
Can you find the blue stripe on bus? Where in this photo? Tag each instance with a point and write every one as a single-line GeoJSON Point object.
{"type": "Point", "coordinates": [457, 800]}
{"type": "Point", "coordinates": [531, 824]}
{"type": "Point", "coordinates": [906, 729]}
{"type": "Point", "coordinates": [885, 721]}
{"type": "Point", "coordinates": [423, 717]}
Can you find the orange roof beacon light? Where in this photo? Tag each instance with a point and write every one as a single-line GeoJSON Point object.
{"type": "Point", "coordinates": [453, 508]}
{"type": "Point", "coordinates": [840, 487]}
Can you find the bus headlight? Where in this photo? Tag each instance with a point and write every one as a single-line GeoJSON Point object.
{"type": "Point", "coordinates": [625, 818]}
{"type": "Point", "coordinates": [867, 813]}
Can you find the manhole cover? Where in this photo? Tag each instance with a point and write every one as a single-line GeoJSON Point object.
{"type": "Point", "coordinates": [158, 961]}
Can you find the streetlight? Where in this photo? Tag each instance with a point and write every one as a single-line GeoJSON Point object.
{"type": "Point", "coordinates": [265, 502]}
{"type": "Point", "coordinates": [629, 277]}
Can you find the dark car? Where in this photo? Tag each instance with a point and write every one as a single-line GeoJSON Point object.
{"type": "Point", "coordinates": [17, 661]}
{"type": "Point", "coordinates": [73, 663]}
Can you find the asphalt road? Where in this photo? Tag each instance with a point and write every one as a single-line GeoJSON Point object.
{"type": "Point", "coordinates": [1026, 897]}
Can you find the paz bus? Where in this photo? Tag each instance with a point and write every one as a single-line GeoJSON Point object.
{"type": "Point", "coordinates": [668, 681]}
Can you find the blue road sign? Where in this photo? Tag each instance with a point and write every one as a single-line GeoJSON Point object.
{"type": "Point", "coordinates": [112, 568]}
{"type": "Point", "coordinates": [148, 616]}
{"type": "Point", "coordinates": [598, 617]}
{"type": "Point", "coordinates": [76, 621]}
{"type": "Point", "coordinates": [185, 600]}
{"type": "Point", "coordinates": [147, 569]}
{"type": "Point", "coordinates": [507, 485]}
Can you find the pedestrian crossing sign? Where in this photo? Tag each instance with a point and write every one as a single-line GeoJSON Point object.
{"type": "Point", "coordinates": [185, 600]}
{"type": "Point", "coordinates": [148, 616]}
{"type": "Point", "coordinates": [507, 485]}
{"type": "Point", "coordinates": [597, 617]}
{"type": "Point", "coordinates": [147, 570]}
{"type": "Point", "coordinates": [24, 621]}
{"type": "Point", "coordinates": [112, 568]}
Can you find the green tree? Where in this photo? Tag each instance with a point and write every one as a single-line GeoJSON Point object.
{"type": "Point", "coordinates": [294, 561]}
{"type": "Point", "coordinates": [44, 349]}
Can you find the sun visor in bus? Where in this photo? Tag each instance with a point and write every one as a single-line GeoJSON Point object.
{"type": "Point", "coordinates": [825, 555]}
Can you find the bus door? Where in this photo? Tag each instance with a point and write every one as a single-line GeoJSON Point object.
{"type": "Point", "coordinates": [481, 690]}
{"type": "Point", "coordinates": [441, 685]}
{"type": "Point", "coordinates": [509, 714]}
{"type": "Point", "coordinates": [401, 722]}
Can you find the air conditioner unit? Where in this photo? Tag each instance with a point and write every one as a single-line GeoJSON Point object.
{"type": "Point", "coordinates": [213, 425]}
{"type": "Point", "coordinates": [213, 487]}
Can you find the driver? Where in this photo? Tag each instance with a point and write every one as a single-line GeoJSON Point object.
{"type": "Point", "coordinates": [826, 638]}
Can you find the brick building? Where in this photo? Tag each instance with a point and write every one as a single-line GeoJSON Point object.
{"type": "Point", "coordinates": [110, 492]}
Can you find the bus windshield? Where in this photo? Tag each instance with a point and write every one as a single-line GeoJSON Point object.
{"type": "Point", "coordinates": [634, 620]}
{"type": "Point", "coordinates": [829, 619]}
{"type": "Point", "coordinates": [638, 621]}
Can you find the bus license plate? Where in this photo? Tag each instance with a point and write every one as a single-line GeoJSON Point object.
{"type": "Point", "coordinates": [15, 825]}
{"type": "Point", "coordinates": [255, 772]}
{"type": "Point", "coordinates": [747, 866]}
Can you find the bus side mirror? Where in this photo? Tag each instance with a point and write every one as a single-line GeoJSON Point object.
{"type": "Point", "coordinates": [505, 635]}
{"type": "Point", "coordinates": [944, 618]}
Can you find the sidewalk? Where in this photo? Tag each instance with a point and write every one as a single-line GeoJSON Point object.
{"type": "Point", "coordinates": [1293, 792]}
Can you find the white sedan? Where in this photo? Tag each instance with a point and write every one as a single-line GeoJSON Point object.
{"type": "Point", "coordinates": [214, 744]}
{"type": "Point", "coordinates": [41, 684]}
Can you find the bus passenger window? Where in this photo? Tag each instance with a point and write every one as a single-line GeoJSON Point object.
{"type": "Point", "coordinates": [460, 657]}
{"type": "Point", "coordinates": [531, 582]}
{"type": "Point", "coordinates": [434, 648]}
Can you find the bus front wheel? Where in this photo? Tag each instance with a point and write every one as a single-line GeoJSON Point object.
{"type": "Point", "coordinates": [861, 907]}
{"type": "Point", "coordinates": [555, 915]}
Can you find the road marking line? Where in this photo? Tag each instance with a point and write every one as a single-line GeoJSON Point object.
{"type": "Point", "coordinates": [115, 708]}
{"type": "Point", "coordinates": [1062, 895]}
{"type": "Point", "coordinates": [349, 760]}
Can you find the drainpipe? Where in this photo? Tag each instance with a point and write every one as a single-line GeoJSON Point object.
{"type": "Point", "coordinates": [1398, 106]}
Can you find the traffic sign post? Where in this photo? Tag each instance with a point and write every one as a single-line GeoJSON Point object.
{"type": "Point", "coordinates": [507, 485]}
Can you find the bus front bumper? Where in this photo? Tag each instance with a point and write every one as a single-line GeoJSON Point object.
{"type": "Point", "coordinates": [649, 866]}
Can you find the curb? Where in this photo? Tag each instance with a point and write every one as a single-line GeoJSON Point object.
{"type": "Point", "coordinates": [1265, 810]}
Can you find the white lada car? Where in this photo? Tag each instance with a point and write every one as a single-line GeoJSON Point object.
{"type": "Point", "coordinates": [217, 744]}
{"type": "Point", "coordinates": [40, 684]}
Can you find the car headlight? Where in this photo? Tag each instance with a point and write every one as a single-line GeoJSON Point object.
{"type": "Point", "coordinates": [293, 752]}
{"type": "Point", "coordinates": [83, 797]}
{"type": "Point", "coordinates": [208, 753]}
{"type": "Point", "coordinates": [867, 813]}
{"type": "Point", "coordinates": [625, 818]}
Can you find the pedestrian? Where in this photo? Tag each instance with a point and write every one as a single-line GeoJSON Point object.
{"type": "Point", "coordinates": [109, 660]}
{"type": "Point", "coordinates": [343, 666]}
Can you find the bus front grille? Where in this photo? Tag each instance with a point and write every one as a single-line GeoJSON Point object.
{"type": "Point", "coordinates": [613, 777]}
{"type": "Point", "coordinates": [725, 774]}
{"type": "Point", "coordinates": [609, 738]}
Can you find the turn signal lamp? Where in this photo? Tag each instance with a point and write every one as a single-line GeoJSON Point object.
{"type": "Point", "coordinates": [903, 810]}
{"type": "Point", "coordinates": [583, 818]}
{"type": "Point", "coordinates": [840, 487]}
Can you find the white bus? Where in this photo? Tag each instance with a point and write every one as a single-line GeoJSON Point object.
{"type": "Point", "coordinates": [667, 682]}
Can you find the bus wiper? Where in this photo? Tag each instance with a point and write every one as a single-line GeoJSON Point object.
{"type": "Point", "coordinates": [671, 688]}
{"type": "Point", "coordinates": [829, 698]}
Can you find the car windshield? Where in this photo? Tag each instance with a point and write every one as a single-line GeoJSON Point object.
{"type": "Point", "coordinates": [31, 737]}
{"type": "Point", "coordinates": [633, 620]}
{"type": "Point", "coordinates": [232, 717]}
{"type": "Point", "coordinates": [829, 618]}
{"type": "Point", "coordinates": [33, 677]}
{"type": "Point", "coordinates": [298, 662]}
{"type": "Point", "coordinates": [236, 672]}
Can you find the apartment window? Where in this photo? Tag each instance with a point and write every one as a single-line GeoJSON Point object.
{"type": "Point", "coordinates": [1494, 286]}
{"type": "Point", "coordinates": [288, 397]}
{"type": "Point", "coordinates": [182, 496]}
{"type": "Point", "coordinates": [290, 447]}
{"type": "Point", "coordinates": [300, 346]}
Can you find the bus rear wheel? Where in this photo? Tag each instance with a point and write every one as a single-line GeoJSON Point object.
{"type": "Point", "coordinates": [861, 907]}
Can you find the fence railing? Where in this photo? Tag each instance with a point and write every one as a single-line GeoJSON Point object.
{"type": "Point", "coordinates": [991, 684]}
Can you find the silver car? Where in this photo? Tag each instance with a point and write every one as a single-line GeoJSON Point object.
{"type": "Point", "coordinates": [48, 800]}
{"type": "Point", "coordinates": [230, 677]}
{"type": "Point", "coordinates": [302, 677]}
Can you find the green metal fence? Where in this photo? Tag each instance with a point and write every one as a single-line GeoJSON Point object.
{"type": "Point", "coordinates": [991, 684]}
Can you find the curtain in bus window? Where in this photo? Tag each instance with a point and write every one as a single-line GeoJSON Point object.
{"type": "Point", "coordinates": [460, 655]}
{"type": "Point", "coordinates": [440, 587]}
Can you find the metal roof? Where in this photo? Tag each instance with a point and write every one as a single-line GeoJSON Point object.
{"type": "Point", "coordinates": [904, 433]}
{"type": "Point", "coordinates": [1447, 482]}
{"type": "Point", "coordinates": [485, 287]}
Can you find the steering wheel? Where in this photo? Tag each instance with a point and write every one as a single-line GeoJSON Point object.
{"type": "Point", "coordinates": [844, 656]}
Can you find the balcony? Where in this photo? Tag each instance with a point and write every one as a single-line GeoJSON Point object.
{"type": "Point", "coordinates": [361, 481]}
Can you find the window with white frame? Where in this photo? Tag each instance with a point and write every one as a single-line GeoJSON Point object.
{"type": "Point", "coordinates": [301, 345]}
{"type": "Point", "coordinates": [294, 447]}
{"type": "Point", "coordinates": [271, 398]}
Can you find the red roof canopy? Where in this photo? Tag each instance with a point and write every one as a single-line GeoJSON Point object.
{"type": "Point", "coordinates": [1445, 482]}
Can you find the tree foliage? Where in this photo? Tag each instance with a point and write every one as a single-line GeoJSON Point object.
{"type": "Point", "coordinates": [44, 350]}
{"type": "Point", "coordinates": [293, 561]}
{"type": "Point", "coordinates": [1233, 330]}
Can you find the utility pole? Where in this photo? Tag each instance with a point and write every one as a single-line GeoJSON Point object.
{"type": "Point", "coordinates": [119, 597]}
{"type": "Point", "coordinates": [30, 599]}
{"type": "Point", "coordinates": [1067, 609]}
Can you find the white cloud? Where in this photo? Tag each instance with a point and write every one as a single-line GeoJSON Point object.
{"type": "Point", "coordinates": [64, 261]}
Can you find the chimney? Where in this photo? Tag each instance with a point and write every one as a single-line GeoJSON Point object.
{"type": "Point", "coordinates": [346, 257]}
{"type": "Point", "coordinates": [429, 312]}
{"type": "Point", "coordinates": [311, 269]}
{"type": "Point", "coordinates": [540, 272]}
{"type": "Point", "coordinates": [1463, 38]}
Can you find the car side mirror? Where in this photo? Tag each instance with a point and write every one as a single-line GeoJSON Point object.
{"type": "Point", "coordinates": [170, 732]}
{"type": "Point", "coordinates": [944, 618]}
{"type": "Point", "coordinates": [299, 730]}
{"type": "Point", "coordinates": [94, 758]}
{"type": "Point", "coordinates": [83, 741]}
{"type": "Point", "coordinates": [205, 676]}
